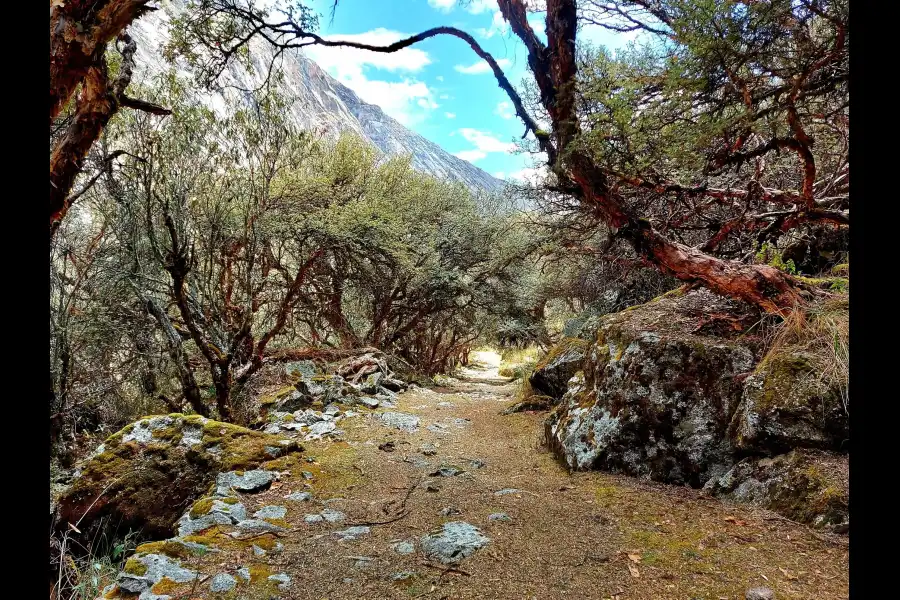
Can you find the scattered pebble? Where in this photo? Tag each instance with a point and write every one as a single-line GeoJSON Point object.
{"type": "Point", "coordinates": [284, 580]}
{"type": "Point", "coordinates": [455, 541]}
{"type": "Point", "coordinates": [404, 548]}
{"type": "Point", "coordinates": [501, 516]}
{"type": "Point", "coordinates": [450, 510]}
{"type": "Point", "coordinates": [299, 497]}
{"type": "Point", "coordinates": [428, 449]}
{"type": "Point", "coordinates": [333, 516]}
{"type": "Point", "coordinates": [447, 471]}
{"type": "Point", "coordinates": [351, 533]}
{"type": "Point", "coordinates": [271, 512]}
{"type": "Point", "coordinates": [223, 582]}
{"type": "Point", "coordinates": [760, 593]}
{"type": "Point", "coordinates": [506, 491]}
{"type": "Point", "coordinates": [313, 518]}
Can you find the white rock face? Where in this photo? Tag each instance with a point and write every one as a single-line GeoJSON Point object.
{"type": "Point", "coordinates": [321, 104]}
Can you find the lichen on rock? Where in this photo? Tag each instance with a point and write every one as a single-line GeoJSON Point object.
{"type": "Point", "coordinates": [175, 456]}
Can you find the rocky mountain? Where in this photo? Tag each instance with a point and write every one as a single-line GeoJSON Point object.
{"type": "Point", "coordinates": [320, 102]}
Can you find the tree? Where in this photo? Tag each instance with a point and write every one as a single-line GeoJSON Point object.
{"type": "Point", "coordinates": [722, 43]}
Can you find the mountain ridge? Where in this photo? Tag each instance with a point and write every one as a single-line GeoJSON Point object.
{"type": "Point", "coordinates": [319, 103]}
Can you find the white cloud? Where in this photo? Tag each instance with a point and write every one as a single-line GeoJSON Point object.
{"type": "Point", "coordinates": [472, 6]}
{"type": "Point", "coordinates": [481, 67]}
{"type": "Point", "coordinates": [409, 100]}
{"type": "Point", "coordinates": [440, 77]}
{"type": "Point", "coordinates": [444, 97]}
{"type": "Point", "coordinates": [450, 115]}
{"type": "Point", "coordinates": [442, 5]}
{"type": "Point", "coordinates": [485, 142]}
{"type": "Point", "coordinates": [498, 26]}
{"type": "Point", "coordinates": [504, 110]}
{"type": "Point", "coordinates": [470, 155]}
{"type": "Point", "coordinates": [500, 175]}
{"type": "Point", "coordinates": [530, 175]}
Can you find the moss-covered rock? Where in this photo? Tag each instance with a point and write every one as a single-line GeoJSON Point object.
{"type": "Point", "coordinates": [551, 374]}
{"type": "Point", "coordinates": [662, 382]}
{"type": "Point", "coordinates": [172, 457]}
{"type": "Point", "coordinates": [808, 486]}
{"type": "Point", "coordinates": [786, 405]}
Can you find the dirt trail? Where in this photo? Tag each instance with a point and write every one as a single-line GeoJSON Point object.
{"type": "Point", "coordinates": [585, 535]}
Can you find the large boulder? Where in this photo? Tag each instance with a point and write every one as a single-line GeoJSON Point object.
{"type": "Point", "coordinates": [174, 458]}
{"type": "Point", "coordinates": [552, 373]}
{"type": "Point", "coordinates": [786, 405]}
{"type": "Point", "coordinates": [662, 383]}
{"type": "Point", "coordinates": [809, 486]}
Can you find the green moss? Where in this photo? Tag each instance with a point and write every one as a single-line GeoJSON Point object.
{"type": "Point", "coordinates": [201, 507]}
{"type": "Point", "coordinates": [565, 345]}
{"type": "Point", "coordinates": [135, 567]}
{"type": "Point", "coordinates": [164, 586]}
{"type": "Point", "coordinates": [171, 434]}
{"type": "Point", "coordinates": [259, 574]}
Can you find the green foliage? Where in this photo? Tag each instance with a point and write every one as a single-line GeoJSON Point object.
{"type": "Point", "coordinates": [770, 255]}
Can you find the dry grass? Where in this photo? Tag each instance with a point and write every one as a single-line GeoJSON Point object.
{"type": "Point", "coordinates": [821, 333]}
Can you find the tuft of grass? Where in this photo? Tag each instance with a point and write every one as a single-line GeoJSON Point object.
{"type": "Point", "coordinates": [821, 333]}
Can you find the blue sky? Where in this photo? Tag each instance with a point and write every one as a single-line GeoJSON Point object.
{"type": "Point", "coordinates": [439, 88]}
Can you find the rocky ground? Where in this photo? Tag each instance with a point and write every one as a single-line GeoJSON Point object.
{"type": "Point", "coordinates": [442, 496]}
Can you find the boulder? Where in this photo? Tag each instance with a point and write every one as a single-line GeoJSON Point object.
{"type": "Point", "coordinates": [662, 382]}
{"type": "Point", "coordinates": [175, 457]}
{"type": "Point", "coordinates": [454, 542]}
{"type": "Point", "coordinates": [808, 486]}
{"type": "Point", "coordinates": [786, 405]}
{"type": "Point", "coordinates": [552, 373]}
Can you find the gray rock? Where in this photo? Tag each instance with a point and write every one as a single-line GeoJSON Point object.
{"type": "Point", "coordinates": [251, 481]}
{"type": "Point", "coordinates": [506, 491]}
{"type": "Point", "coordinates": [307, 417]}
{"type": "Point", "coordinates": [307, 475]}
{"type": "Point", "coordinates": [447, 471]}
{"type": "Point", "coordinates": [243, 573]}
{"type": "Point", "coordinates": [304, 369]}
{"type": "Point", "coordinates": [321, 428]}
{"type": "Point", "coordinates": [450, 510]}
{"type": "Point", "coordinates": [456, 541]}
{"type": "Point", "coordinates": [299, 497]}
{"type": "Point", "coordinates": [283, 579]}
{"type": "Point", "coordinates": [372, 383]}
{"type": "Point", "coordinates": [401, 421]}
{"type": "Point", "coordinates": [258, 525]}
{"type": "Point", "coordinates": [257, 551]}
{"type": "Point", "coordinates": [332, 409]}
{"type": "Point", "coordinates": [659, 392]}
{"type": "Point", "coordinates": [157, 567]}
{"type": "Point", "coordinates": [351, 533]}
{"type": "Point", "coordinates": [501, 516]}
{"type": "Point", "coordinates": [404, 548]}
{"type": "Point", "coordinates": [428, 449]}
{"type": "Point", "coordinates": [313, 518]}
{"type": "Point", "coordinates": [369, 401]}
{"type": "Point", "coordinates": [476, 463]}
{"type": "Point", "coordinates": [760, 593]}
{"type": "Point", "coordinates": [550, 377]}
{"type": "Point", "coordinates": [809, 486]}
{"type": "Point", "coordinates": [437, 428]}
{"type": "Point", "coordinates": [333, 516]}
{"type": "Point", "coordinates": [403, 576]}
{"type": "Point", "coordinates": [222, 582]}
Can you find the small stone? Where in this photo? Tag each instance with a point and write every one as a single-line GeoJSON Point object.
{"type": "Point", "coordinates": [450, 510]}
{"type": "Point", "coordinates": [428, 449]}
{"type": "Point", "coordinates": [476, 463]}
{"type": "Point", "coordinates": [403, 576]}
{"type": "Point", "coordinates": [223, 582]}
{"type": "Point", "coordinates": [307, 475]}
{"type": "Point", "coordinates": [404, 548]}
{"type": "Point", "coordinates": [284, 580]}
{"type": "Point", "coordinates": [401, 421]}
{"type": "Point", "coordinates": [506, 491]}
{"type": "Point", "coordinates": [347, 580]}
{"type": "Point", "coordinates": [243, 573]}
{"type": "Point", "coordinates": [321, 428]}
{"type": "Point", "coordinates": [437, 428]}
{"type": "Point", "coordinates": [447, 471]}
{"type": "Point", "coordinates": [387, 447]}
{"type": "Point", "coordinates": [299, 497]}
{"type": "Point", "coordinates": [332, 409]}
{"type": "Point", "coordinates": [760, 593]}
{"type": "Point", "coordinates": [259, 526]}
{"type": "Point", "coordinates": [250, 481]}
{"type": "Point", "coordinates": [501, 516]}
{"type": "Point", "coordinates": [313, 518]}
{"type": "Point", "coordinates": [369, 402]}
{"type": "Point", "coordinates": [333, 516]}
{"type": "Point", "coordinates": [271, 512]}
{"type": "Point", "coordinates": [456, 540]}
{"type": "Point", "coordinates": [257, 551]}
{"type": "Point", "coordinates": [432, 488]}
{"type": "Point", "coordinates": [351, 533]}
